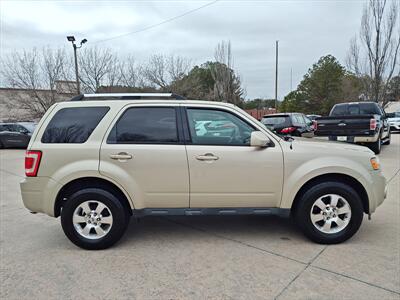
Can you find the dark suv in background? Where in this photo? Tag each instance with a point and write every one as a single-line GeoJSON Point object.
{"type": "Point", "coordinates": [295, 124]}
{"type": "Point", "coordinates": [16, 135]}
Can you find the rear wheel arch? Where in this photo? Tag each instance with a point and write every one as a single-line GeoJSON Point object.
{"type": "Point", "coordinates": [337, 177]}
{"type": "Point", "coordinates": [89, 182]}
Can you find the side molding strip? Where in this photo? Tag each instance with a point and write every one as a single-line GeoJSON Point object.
{"type": "Point", "coordinates": [282, 212]}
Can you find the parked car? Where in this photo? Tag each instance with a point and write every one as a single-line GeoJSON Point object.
{"type": "Point", "coordinates": [356, 122]}
{"type": "Point", "coordinates": [294, 124]}
{"type": "Point", "coordinates": [394, 121]}
{"type": "Point", "coordinates": [97, 163]}
{"type": "Point", "coordinates": [15, 135]}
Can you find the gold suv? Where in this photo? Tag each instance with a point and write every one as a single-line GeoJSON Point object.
{"type": "Point", "coordinates": [99, 159]}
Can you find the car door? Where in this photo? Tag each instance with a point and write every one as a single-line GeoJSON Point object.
{"type": "Point", "coordinates": [21, 136]}
{"type": "Point", "coordinates": [224, 170]}
{"type": "Point", "coordinates": [144, 152]}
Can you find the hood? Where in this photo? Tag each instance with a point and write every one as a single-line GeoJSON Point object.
{"type": "Point", "coordinates": [317, 145]}
{"type": "Point", "coordinates": [396, 119]}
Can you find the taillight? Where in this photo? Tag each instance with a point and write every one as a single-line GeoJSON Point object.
{"type": "Point", "coordinates": [315, 124]}
{"type": "Point", "coordinates": [288, 130]}
{"type": "Point", "coordinates": [32, 161]}
{"type": "Point", "coordinates": [372, 124]}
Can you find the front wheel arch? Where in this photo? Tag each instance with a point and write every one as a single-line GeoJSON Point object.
{"type": "Point", "coordinates": [343, 178]}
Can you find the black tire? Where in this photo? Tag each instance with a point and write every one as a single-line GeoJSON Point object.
{"type": "Point", "coordinates": [1, 145]}
{"type": "Point", "coordinates": [307, 200]}
{"type": "Point", "coordinates": [376, 146]}
{"type": "Point", "coordinates": [120, 218]}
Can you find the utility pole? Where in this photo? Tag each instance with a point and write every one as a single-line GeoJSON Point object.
{"type": "Point", "coordinates": [276, 76]}
{"type": "Point", "coordinates": [78, 86]}
{"type": "Point", "coordinates": [71, 39]}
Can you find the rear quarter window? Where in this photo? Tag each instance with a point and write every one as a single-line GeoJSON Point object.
{"type": "Point", "coordinates": [73, 125]}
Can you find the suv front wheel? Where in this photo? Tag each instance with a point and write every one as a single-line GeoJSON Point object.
{"type": "Point", "coordinates": [94, 219]}
{"type": "Point", "coordinates": [329, 212]}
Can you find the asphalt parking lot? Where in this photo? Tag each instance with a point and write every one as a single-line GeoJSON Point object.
{"type": "Point", "coordinates": [198, 257]}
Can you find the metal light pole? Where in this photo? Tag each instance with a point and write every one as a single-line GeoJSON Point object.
{"type": "Point", "coordinates": [71, 39]}
{"type": "Point", "coordinates": [276, 76]}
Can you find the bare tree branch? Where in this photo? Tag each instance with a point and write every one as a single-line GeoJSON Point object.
{"type": "Point", "coordinates": [377, 60]}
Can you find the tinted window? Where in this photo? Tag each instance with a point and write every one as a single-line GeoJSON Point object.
{"type": "Point", "coordinates": [73, 125]}
{"type": "Point", "coordinates": [145, 125]}
{"type": "Point", "coordinates": [298, 119]}
{"type": "Point", "coordinates": [356, 109]}
{"type": "Point", "coordinates": [274, 120]}
{"type": "Point", "coordinates": [339, 110]}
{"type": "Point", "coordinates": [369, 108]}
{"type": "Point", "coordinates": [216, 127]}
{"type": "Point", "coordinates": [19, 128]}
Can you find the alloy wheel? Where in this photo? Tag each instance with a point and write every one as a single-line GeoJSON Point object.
{"type": "Point", "coordinates": [330, 213]}
{"type": "Point", "coordinates": [92, 219]}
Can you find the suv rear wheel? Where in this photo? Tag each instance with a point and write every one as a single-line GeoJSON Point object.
{"type": "Point", "coordinates": [329, 212]}
{"type": "Point", "coordinates": [94, 219]}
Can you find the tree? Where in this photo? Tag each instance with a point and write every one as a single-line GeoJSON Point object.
{"type": "Point", "coordinates": [259, 103]}
{"type": "Point", "coordinates": [393, 89]}
{"type": "Point", "coordinates": [37, 73]}
{"type": "Point", "coordinates": [227, 87]}
{"type": "Point", "coordinates": [295, 101]}
{"type": "Point", "coordinates": [98, 67]}
{"type": "Point", "coordinates": [352, 87]}
{"type": "Point", "coordinates": [161, 71]}
{"type": "Point", "coordinates": [374, 55]}
{"type": "Point", "coordinates": [131, 73]}
{"type": "Point", "coordinates": [321, 87]}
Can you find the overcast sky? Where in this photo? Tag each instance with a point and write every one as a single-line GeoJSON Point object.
{"type": "Point", "coordinates": [306, 30]}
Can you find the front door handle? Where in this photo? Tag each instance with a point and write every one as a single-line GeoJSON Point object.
{"type": "Point", "coordinates": [121, 156]}
{"type": "Point", "coordinates": [207, 157]}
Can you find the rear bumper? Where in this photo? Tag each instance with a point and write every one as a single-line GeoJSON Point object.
{"type": "Point", "coordinates": [356, 139]}
{"type": "Point", "coordinates": [366, 139]}
{"type": "Point", "coordinates": [38, 194]}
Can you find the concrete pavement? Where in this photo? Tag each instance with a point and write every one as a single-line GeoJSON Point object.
{"type": "Point", "coordinates": [198, 257]}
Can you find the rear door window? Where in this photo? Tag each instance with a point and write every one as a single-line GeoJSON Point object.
{"type": "Point", "coordinates": [73, 125]}
{"type": "Point", "coordinates": [145, 125]}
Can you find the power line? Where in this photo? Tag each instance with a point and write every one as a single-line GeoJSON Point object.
{"type": "Point", "coordinates": [157, 24]}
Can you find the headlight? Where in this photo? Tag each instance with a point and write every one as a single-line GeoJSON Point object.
{"type": "Point", "coordinates": [375, 163]}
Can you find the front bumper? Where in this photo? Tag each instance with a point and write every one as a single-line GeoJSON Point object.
{"type": "Point", "coordinates": [39, 194]}
{"type": "Point", "coordinates": [376, 189]}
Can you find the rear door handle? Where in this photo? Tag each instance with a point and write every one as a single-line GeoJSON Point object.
{"type": "Point", "coordinates": [207, 157]}
{"type": "Point", "coordinates": [121, 156]}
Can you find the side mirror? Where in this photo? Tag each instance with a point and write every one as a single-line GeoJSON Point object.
{"type": "Point", "coordinates": [259, 139]}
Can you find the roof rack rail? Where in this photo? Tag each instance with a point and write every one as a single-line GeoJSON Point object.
{"type": "Point", "coordinates": [126, 96]}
